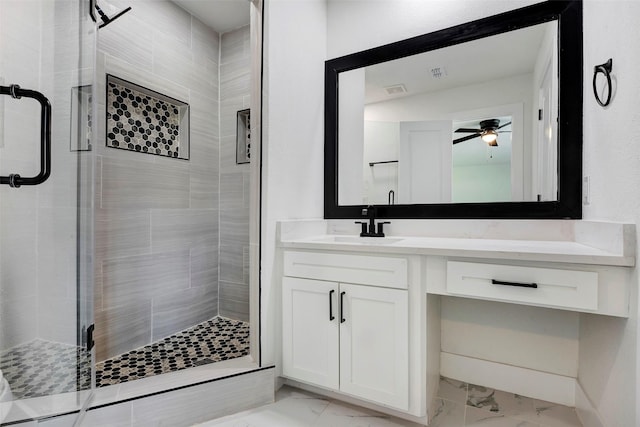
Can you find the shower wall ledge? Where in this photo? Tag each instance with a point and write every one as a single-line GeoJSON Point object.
{"type": "Point", "coordinates": [115, 396]}
{"type": "Point", "coordinates": [172, 380]}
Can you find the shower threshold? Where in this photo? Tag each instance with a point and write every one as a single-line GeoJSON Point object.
{"type": "Point", "coordinates": [214, 340]}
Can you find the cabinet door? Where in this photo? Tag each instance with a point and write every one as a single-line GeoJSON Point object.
{"type": "Point", "coordinates": [374, 344]}
{"type": "Point", "coordinates": [309, 335]}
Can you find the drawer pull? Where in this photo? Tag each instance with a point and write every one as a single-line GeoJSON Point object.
{"type": "Point", "coordinates": [331, 316]}
{"type": "Point", "coordinates": [342, 319]}
{"type": "Point", "coordinates": [519, 285]}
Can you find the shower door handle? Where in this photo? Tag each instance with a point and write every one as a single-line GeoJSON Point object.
{"type": "Point", "coordinates": [15, 180]}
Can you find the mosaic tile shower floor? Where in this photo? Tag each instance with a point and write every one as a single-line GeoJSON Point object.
{"type": "Point", "coordinates": [215, 340]}
{"type": "Point", "coordinates": [42, 368]}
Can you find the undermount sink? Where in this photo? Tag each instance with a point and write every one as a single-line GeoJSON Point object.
{"type": "Point", "coordinates": [361, 240]}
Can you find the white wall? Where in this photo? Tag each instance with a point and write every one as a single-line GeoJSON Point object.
{"type": "Point", "coordinates": [351, 115]}
{"type": "Point", "coordinates": [609, 354]}
{"type": "Point", "coordinates": [608, 351]}
{"type": "Point", "coordinates": [293, 144]}
{"type": "Point", "coordinates": [445, 104]}
{"type": "Point", "coordinates": [502, 94]}
{"type": "Point", "coordinates": [355, 25]}
{"type": "Point", "coordinates": [382, 141]}
{"type": "Point", "coordinates": [476, 183]}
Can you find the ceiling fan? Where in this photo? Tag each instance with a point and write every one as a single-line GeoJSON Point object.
{"type": "Point", "coordinates": [488, 132]}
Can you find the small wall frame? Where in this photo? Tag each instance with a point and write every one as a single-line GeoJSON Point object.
{"type": "Point", "coordinates": [142, 120]}
{"type": "Point", "coordinates": [243, 136]}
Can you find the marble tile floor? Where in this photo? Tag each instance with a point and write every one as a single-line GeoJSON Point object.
{"type": "Point", "coordinates": [458, 405]}
{"type": "Point", "coordinates": [211, 341]}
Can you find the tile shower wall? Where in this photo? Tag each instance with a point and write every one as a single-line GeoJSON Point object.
{"type": "Point", "coordinates": [157, 217]}
{"type": "Point", "coordinates": [235, 80]}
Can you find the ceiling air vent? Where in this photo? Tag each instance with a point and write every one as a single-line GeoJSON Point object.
{"type": "Point", "coordinates": [395, 89]}
{"type": "Point", "coordinates": [438, 72]}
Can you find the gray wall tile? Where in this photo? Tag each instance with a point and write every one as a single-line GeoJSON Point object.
{"type": "Point", "coordinates": [183, 309]}
{"type": "Point", "coordinates": [235, 45]}
{"type": "Point", "coordinates": [154, 204]}
{"type": "Point", "coordinates": [228, 156]}
{"type": "Point", "coordinates": [130, 40]}
{"type": "Point", "coordinates": [235, 78]}
{"type": "Point", "coordinates": [162, 214]}
{"type": "Point", "coordinates": [228, 109]}
{"type": "Point", "coordinates": [204, 192]}
{"type": "Point", "coordinates": [231, 190]}
{"type": "Point", "coordinates": [122, 233]}
{"type": "Point", "coordinates": [183, 229]}
{"type": "Point", "coordinates": [231, 263]}
{"type": "Point", "coordinates": [204, 267]}
{"type": "Point", "coordinates": [122, 329]}
{"type": "Point", "coordinates": [237, 310]}
{"type": "Point", "coordinates": [206, 401]}
{"type": "Point", "coordinates": [235, 81]}
{"type": "Point", "coordinates": [204, 154]}
{"type": "Point", "coordinates": [137, 184]}
{"type": "Point", "coordinates": [204, 113]}
{"type": "Point", "coordinates": [236, 226]}
{"type": "Point", "coordinates": [143, 77]}
{"type": "Point", "coordinates": [205, 41]}
{"type": "Point", "coordinates": [234, 291]}
{"type": "Point", "coordinates": [140, 278]}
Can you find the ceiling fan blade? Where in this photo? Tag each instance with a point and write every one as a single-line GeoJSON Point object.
{"type": "Point", "coordinates": [467, 130]}
{"type": "Point", "coordinates": [465, 138]}
{"type": "Point", "coordinates": [506, 124]}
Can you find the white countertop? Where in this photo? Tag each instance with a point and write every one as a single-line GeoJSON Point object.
{"type": "Point", "coordinates": [522, 250]}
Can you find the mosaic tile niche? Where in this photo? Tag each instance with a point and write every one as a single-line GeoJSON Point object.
{"type": "Point", "coordinates": [139, 119]}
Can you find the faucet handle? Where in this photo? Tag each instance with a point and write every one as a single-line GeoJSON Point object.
{"type": "Point", "coordinates": [380, 231]}
{"type": "Point", "coordinates": [363, 231]}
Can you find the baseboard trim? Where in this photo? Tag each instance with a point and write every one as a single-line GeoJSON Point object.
{"type": "Point", "coordinates": [585, 409]}
{"type": "Point", "coordinates": [526, 382]}
{"type": "Point", "coordinates": [355, 401]}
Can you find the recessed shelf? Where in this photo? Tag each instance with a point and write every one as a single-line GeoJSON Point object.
{"type": "Point", "coordinates": [145, 121]}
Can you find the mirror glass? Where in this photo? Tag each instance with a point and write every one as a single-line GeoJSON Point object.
{"type": "Point", "coordinates": [475, 122]}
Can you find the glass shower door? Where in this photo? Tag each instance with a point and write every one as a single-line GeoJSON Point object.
{"type": "Point", "coordinates": [46, 217]}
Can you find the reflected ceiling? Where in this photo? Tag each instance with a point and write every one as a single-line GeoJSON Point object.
{"type": "Point", "coordinates": [454, 63]}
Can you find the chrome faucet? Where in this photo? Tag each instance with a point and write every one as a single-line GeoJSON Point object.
{"type": "Point", "coordinates": [369, 228]}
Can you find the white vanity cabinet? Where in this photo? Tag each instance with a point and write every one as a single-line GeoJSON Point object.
{"type": "Point", "coordinates": [347, 337]}
{"type": "Point", "coordinates": [525, 316]}
{"type": "Point", "coordinates": [347, 327]}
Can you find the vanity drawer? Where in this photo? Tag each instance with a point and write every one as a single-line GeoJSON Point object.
{"type": "Point", "coordinates": [389, 272]}
{"type": "Point", "coordinates": [525, 285]}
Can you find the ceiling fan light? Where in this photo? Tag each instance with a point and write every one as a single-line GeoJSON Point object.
{"type": "Point", "coordinates": [490, 136]}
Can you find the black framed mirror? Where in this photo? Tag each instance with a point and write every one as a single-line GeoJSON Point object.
{"type": "Point", "coordinates": [480, 120]}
